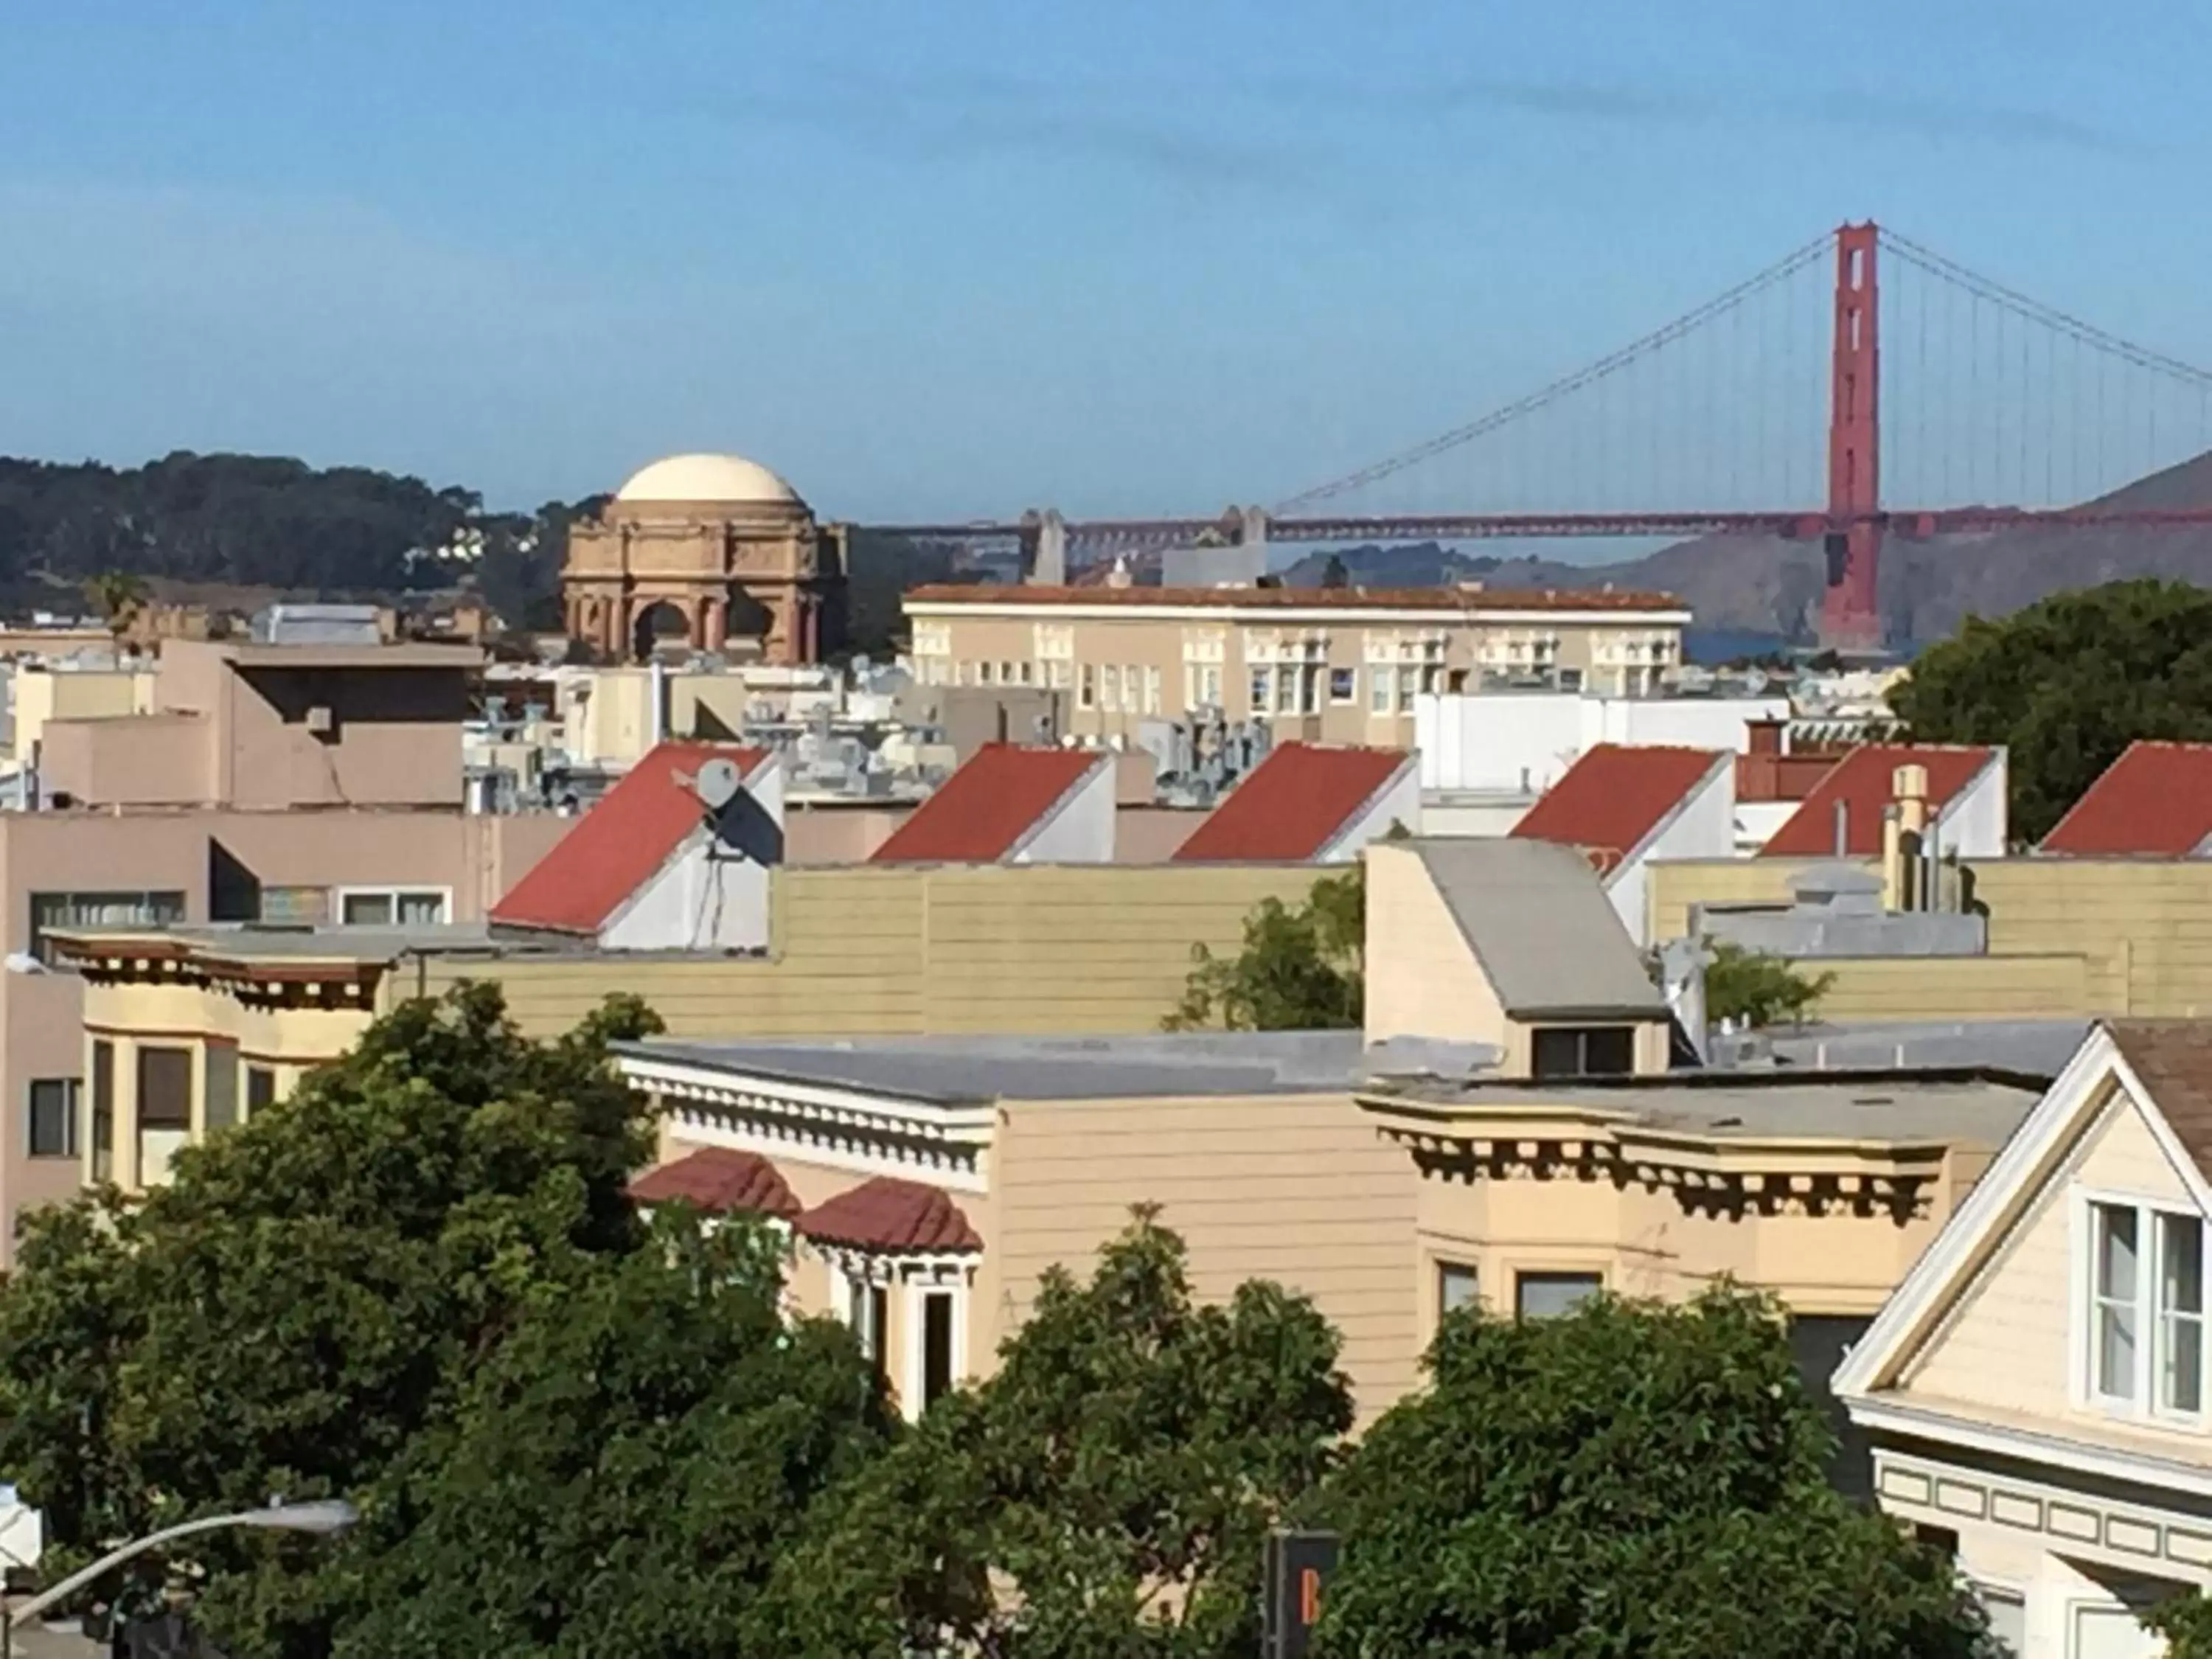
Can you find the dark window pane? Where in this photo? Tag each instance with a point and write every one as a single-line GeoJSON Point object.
{"type": "Point", "coordinates": [1547, 1296]}
{"type": "Point", "coordinates": [222, 1084]}
{"type": "Point", "coordinates": [53, 1117]}
{"type": "Point", "coordinates": [260, 1089]}
{"type": "Point", "coordinates": [1557, 1052]}
{"type": "Point", "coordinates": [1609, 1050]}
{"type": "Point", "coordinates": [1456, 1286]}
{"type": "Point", "coordinates": [165, 1088]}
{"type": "Point", "coordinates": [1583, 1051]}
{"type": "Point", "coordinates": [936, 1346]}
{"type": "Point", "coordinates": [52, 911]}
{"type": "Point", "coordinates": [1818, 1343]}
{"type": "Point", "coordinates": [103, 1110]}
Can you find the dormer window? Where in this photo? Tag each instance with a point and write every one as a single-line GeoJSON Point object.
{"type": "Point", "coordinates": [2146, 1309]}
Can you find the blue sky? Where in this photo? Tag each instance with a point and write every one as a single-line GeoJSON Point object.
{"type": "Point", "coordinates": [946, 257]}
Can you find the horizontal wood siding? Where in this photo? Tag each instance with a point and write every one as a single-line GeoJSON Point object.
{"type": "Point", "coordinates": [1296, 1189]}
{"type": "Point", "coordinates": [1098, 949]}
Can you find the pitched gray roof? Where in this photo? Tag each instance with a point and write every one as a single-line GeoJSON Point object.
{"type": "Point", "coordinates": [1537, 920]}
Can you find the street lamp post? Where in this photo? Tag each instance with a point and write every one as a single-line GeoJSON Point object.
{"type": "Point", "coordinates": [324, 1516]}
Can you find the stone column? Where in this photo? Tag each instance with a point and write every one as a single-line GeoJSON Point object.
{"type": "Point", "coordinates": [716, 624]}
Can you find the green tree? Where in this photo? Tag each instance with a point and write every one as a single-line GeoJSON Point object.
{"type": "Point", "coordinates": [1611, 1483]}
{"type": "Point", "coordinates": [2186, 1624]}
{"type": "Point", "coordinates": [1300, 969]}
{"type": "Point", "coordinates": [620, 1476]}
{"type": "Point", "coordinates": [119, 596]}
{"type": "Point", "coordinates": [1757, 989]}
{"type": "Point", "coordinates": [1105, 1493]}
{"type": "Point", "coordinates": [2067, 684]}
{"type": "Point", "coordinates": [313, 1289]}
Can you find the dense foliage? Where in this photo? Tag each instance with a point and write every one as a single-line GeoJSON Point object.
{"type": "Point", "coordinates": [1755, 988]}
{"type": "Point", "coordinates": [2066, 685]}
{"type": "Point", "coordinates": [1105, 1492]}
{"type": "Point", "coordinates": [1301, 969]}
{"type": "Point", "coordinates": [1628, 1480]}
{"type": "Point", "coordinates": [2186, 1625]}
{"type": "Point", "coordinates": [313, 1288]}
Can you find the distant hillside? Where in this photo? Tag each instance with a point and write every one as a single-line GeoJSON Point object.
{"type": "Point", "coordinates": [1766, 585]}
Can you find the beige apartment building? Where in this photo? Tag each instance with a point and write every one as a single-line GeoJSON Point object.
{"type": "Point", "coordinates": [1337, 666]}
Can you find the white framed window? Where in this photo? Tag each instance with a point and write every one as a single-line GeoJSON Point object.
{"type": "Point", "coordinates": [1378, 690]}
{"type": "Point", "coordinates": [394, 907]}
{"type": "Point", "coordinates": [1109, 689]}
{"type": "Point", "coordinates": [1005, 673]}
{"type": "Point", "coordinates": [1086, 686]}
{"type": "Point", "coordinates": [1056, 673]}
{"type": "Point", "coordinates": [1343, 685]}
{"type": "Point", "coordinates": [2143, 1308]}
{"type": "Point", "coordinates": [1132, 689]}
{"type": "Point", "coordinates": [1151, 690]}
{"type": "Point", "coordinates": [986, 673]}
{"type": "Point", "coordinates": [936, 1342]}
{"type": "Point", "coordinates": [1263, 690]}
{"type": "Point", "coordinates": [1287, 689]}
{"type": "Point", "coordinates": [1409, 683]}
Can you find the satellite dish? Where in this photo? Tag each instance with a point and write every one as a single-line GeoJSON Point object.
{"type": "Point", "coordinates": [718, 783]}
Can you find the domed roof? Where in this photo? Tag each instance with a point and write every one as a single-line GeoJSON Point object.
{"type": "Point", "coordinates": [706, 478]}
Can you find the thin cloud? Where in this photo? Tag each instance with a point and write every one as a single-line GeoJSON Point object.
{"type": "Point", "coordinates": [965, 115]}
{"type": "Point", "coordinates": [1630, 103]}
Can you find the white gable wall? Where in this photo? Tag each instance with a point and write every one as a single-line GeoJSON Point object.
{"type": "Point", "coordinates": [1524, 741]}
{"type": "Point", "coordinates": [696, 902]}
{"type": "Point", "coordinates": [2009, 1346]}
{"type": "Point", "coordinates": [1398, 801]}
{"type": "Point", "coordinates": [1079, 829]}
{"type": "Point", "coordinates": [1703, 826]}
{"type": "Point", "coordinates": [1974, 823]}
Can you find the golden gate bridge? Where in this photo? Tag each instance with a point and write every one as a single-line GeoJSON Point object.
{"type": "Point", "coordinates": [1861, 388]}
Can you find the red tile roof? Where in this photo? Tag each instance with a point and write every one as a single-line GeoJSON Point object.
{"type": "Point", "coordinates": [2156, 800]}
{"type": "Point", "coordinates": [620, 843]}
{"type": "Point", "coordinates": [1614, 796]}
{"type": "Point", "coordinates": [986, 809]}
{"type": "Point", "coordinates": [887, 1213]}
{"type": "Point", "coordinates": [1301, 598]}
{"type": "Point", "coordinates": [722, 1181]}
{"type": "Point", "coordinates": [1862, 780]}
{"type": "Point", "coordinates": [1292, 804]}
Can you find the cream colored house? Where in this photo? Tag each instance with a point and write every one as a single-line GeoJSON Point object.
{"type": "Point", "coordinates": [1337, 666]}
{"type": "Point", "coordinates": [2035, 1388]}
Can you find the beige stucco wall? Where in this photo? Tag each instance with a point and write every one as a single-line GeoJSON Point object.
{"type": "Point", "coordinates": [835, 833]}
{"type": "Point", "coordinates": [2003, 1351]}
{"type": "Point", "coordinates": [1425, 983]}
{"type": "Point", "coordinates": [77, 694]}
{"type": "Point", "coordinates": [2066, 936]}
{"type": "Point", "coordinates": [1656, 1241]}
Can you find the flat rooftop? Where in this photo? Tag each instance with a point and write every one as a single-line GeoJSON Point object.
{"type": "Point", "coordinates": [951, 1070]}
{"type": "Point", "coordinates": [1977, 1106]}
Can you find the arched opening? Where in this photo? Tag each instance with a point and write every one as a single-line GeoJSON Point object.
{"type": "Point", "coordinates": [658, 624]}
{"type": "Point", "coordinates": [747, 625]}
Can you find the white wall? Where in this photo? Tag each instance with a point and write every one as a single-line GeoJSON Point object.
{"type": "Point", "coordinates": [1398, 802]}
{"type": "Point", "coordinates": [1975, 823]}
{"type": "Point", "coordinates": [1757, 821]}
{"type": "Point", "coordinates": [1704, 828]}
{"type": "Point", "coordinates": [1080, 830]}
{"type": "Point", "coordinates": [705, 898]}
{"type": "Point", "coordinates": [1525, 740]}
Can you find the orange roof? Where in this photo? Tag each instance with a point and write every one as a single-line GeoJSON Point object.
{"type": "Point", "coordinates": [888, 1213]}
{"type": "Point", "coordinates": [2154, 800]}
{"type": "Point", "coordinates": [1292, 804]}
{"type": "Point", "coordinates": [989, 807]}
{"type": "Point", "coordinates": [617, 847]}
{"type": "Point", "coordinates": [1301, 598]}
{"type": "Point", "coordinates": [1863, 783]}
{"type": "Point", "coordinates": [721, 1181]}
{"type": "Point", "coordinates": [1608, 802]}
